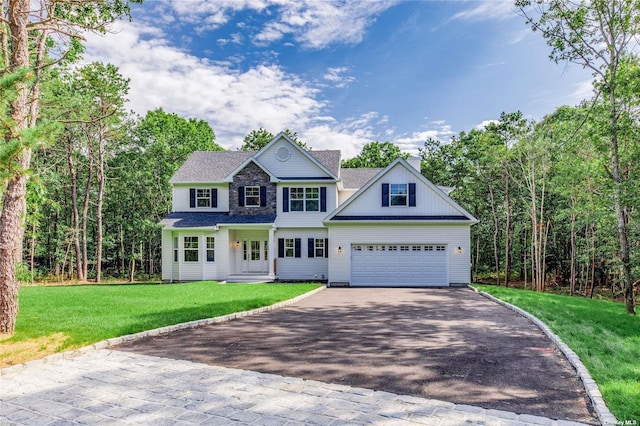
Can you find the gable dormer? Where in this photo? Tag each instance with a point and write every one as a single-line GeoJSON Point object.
{"type": "Point", "coordinates": [400, 192]}
{"type": "Point", "coordinates": [287, 160]}
{"type": "Point", "coordinates": [252, 191]}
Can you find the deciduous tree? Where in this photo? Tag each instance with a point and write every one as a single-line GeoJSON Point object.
{"type": "Point", "coordinates": [598, 35]}
{"type": "Point", "coordinates": [29, 30]}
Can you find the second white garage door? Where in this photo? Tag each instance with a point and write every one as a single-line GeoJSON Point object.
{"type": "Point", "coordinates": [399, 265]}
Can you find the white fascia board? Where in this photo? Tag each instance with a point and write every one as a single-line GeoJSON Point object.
{"type": "Point", "coordinates": [244, 164]}
{"type": "Point", "coordinates": [304, 152]}
{"type": "Point", "coordinates": [418, 176]}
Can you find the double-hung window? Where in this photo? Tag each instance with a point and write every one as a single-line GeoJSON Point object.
{"type": "Point", "coordinates": [211, 249]}
{"type": "Point", "coordinates": [317, 247]}
{"type": "Point", "coordinates": [289, 247]}
{"type": "Point", "coordinates": [203, 197]}
{"type": "Point", "coordinates": [190, 249]}
{"type": "Point", "coordinates": [304, 199]}
{"type": "Point", "coordinates": [252, 196]}
{"type": "Point", "coordinates": [398, 194]}
{"type": "Point", "coordinates": [175, 249]}
{"type": "Point", "coordinates": [320, 248]}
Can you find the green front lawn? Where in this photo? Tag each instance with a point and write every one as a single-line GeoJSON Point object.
{"type": "Point", "coordinates": [73, 316]}
{"type": "Point", "coordinates": [601, 333]}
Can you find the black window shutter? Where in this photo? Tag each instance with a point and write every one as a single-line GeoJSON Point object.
{"type": "Point", "coordinates": [298, 247]}
{"type": "Point", "coordinates": [192, 197]}
{"type": "Point", "coordinates": [323, 198]}
{"type": "Point", "coordinates": [214, 197]}
{"type": "Point", "coordinates": [263, 196]}
{"type": "Point", "coordinates": [385, 195]}
{"type": "Point", "coordinates": [285, 199]}
{"type": "Point", "coordinates": [241, 196]}
{"type": "Point", "coordinates": [412, 195]}
{"type": "Point", "coordinates": [326, 247]}
{"type": "Point", "coordinates": [280, 247]}
{"type": "Point", "coordinates": [311, 248]}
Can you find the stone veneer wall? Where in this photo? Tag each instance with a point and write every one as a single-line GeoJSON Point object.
{"type": "Point", "coordinates": [252, 175]}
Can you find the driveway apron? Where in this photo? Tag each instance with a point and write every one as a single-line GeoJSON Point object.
{"type": "Point", "coordinates": [446, 344]}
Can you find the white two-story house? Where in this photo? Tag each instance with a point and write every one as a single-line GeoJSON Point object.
{"type": "Point", "coordinates": [284, 213]}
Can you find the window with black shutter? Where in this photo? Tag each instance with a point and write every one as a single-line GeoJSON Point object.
{"type": "Point", "coordinates": [241, 196]}
{"type": "Point", "coordinates": [385, 195]}
{"type": "Point", "coordinates": [412, 195]}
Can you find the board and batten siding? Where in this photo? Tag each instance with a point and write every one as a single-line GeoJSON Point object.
{"type": "Point", "coordinates": [296, 166]}
{"type": "Point", "coordinates": [428, 201]}
{"type": "Point", "coordinates": [453, 236]}
{"type": "Point", "coordinates": [302, 268]}
{"type": "Point", "coordinates": [181, 198]}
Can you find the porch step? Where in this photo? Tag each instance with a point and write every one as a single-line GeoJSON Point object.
{"type": "Point", "coordinates": [250, 278]}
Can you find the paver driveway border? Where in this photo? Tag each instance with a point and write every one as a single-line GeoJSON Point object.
{"type": "Point", "coordinates": [604, 414]}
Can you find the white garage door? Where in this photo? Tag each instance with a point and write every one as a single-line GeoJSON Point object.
{"type": "Point", "coordinates": [399, 265]}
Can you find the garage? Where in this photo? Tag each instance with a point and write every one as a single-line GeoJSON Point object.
{"type": "Point", "coordinates": [399, 265]}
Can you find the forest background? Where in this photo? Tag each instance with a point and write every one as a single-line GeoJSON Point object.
{"type": "Point", "coordinates": [558, 200]}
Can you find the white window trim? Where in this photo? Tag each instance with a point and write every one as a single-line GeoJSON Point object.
{"type": "Point", "coordinates": [405, 195]}
{"type": "Point", "coordinates": [304, 198]}
{"type": "Point", "coordinates": [195, 249]}
{"type": "Point", "coordinates": [319, 248]}
{"type": "Point", "coordinates": [176, 249]}
{"type": "Point", "coordinates": [291, 247]}
{"type": "Point", "coordinates": [247, 197]}
{"type": "Point", "coordinates": [206, 198]}
{"type": "Point", "coordinates": [211, 249]}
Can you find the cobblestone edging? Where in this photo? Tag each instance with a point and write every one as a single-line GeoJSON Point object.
{"type": "Point", "coordinates": [603, 413]}
{"type": "Point", "coordinates": [104, 344]}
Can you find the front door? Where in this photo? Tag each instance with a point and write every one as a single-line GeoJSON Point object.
{"type": "Point", "coordinates": [255, 254]}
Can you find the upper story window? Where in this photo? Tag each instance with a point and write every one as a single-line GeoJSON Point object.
{"type": "Point", "coordinates": [304, 199]}
{"type": "Point", "coordinates": [398, 194]}
{"type": "Point", "coordinates": [252, 196]}
{"type": "Point", "coordinates": [203, 197]}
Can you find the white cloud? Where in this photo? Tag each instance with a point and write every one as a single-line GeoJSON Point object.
{"type": "Point", "coordinates": [483, 124]}
{"type": "Point", "coordinates": [312, 23]}
{"type": "Point", "coordinates": [583, 90]}
{"type": "Point", "coordinates": [233, 102]}
{"type": "Point", "coordinates": [520, 35]}
{"type": "Point", "coordinates": [411, 143]}
{"type": "Point", "coordinates": [490, 65]}
{"type": "Point", "coordinates": [337, 78]}
{"type": "Point", "coordinates": [487, 10]}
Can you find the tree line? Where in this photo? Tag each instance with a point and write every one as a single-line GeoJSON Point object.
{"type": "Point", "coordinates": [557, 199]}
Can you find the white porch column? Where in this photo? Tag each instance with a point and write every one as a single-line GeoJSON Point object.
{"type": "Point", "coordinates": [272, 250]}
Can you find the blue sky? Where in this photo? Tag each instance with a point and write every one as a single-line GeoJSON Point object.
{"type": "Point", "coordinates": [340, 73]}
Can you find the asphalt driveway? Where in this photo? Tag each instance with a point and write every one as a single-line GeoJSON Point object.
{"type": "Point", "coordinates": [446, 344]}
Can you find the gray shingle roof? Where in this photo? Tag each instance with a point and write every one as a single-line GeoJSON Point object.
{"type": "Point", "coordinates": [214, 166]}
{"type": "Point", "coordinates": [328, 158]}
{"type": "Point", "coordinates": [202, 219]}
{"type": "Point", "coordinates": [357, 178]}
{"type": "Point", "coordinates": [209, 166]}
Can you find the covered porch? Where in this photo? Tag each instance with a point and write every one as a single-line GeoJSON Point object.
{"type": "Point", "coordinates": [252, 253]}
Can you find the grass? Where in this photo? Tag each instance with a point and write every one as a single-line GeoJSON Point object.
{"type": "Point", "coordinates": [56, 318]}
{"type": "Point", "coordinates": [600, 332]}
